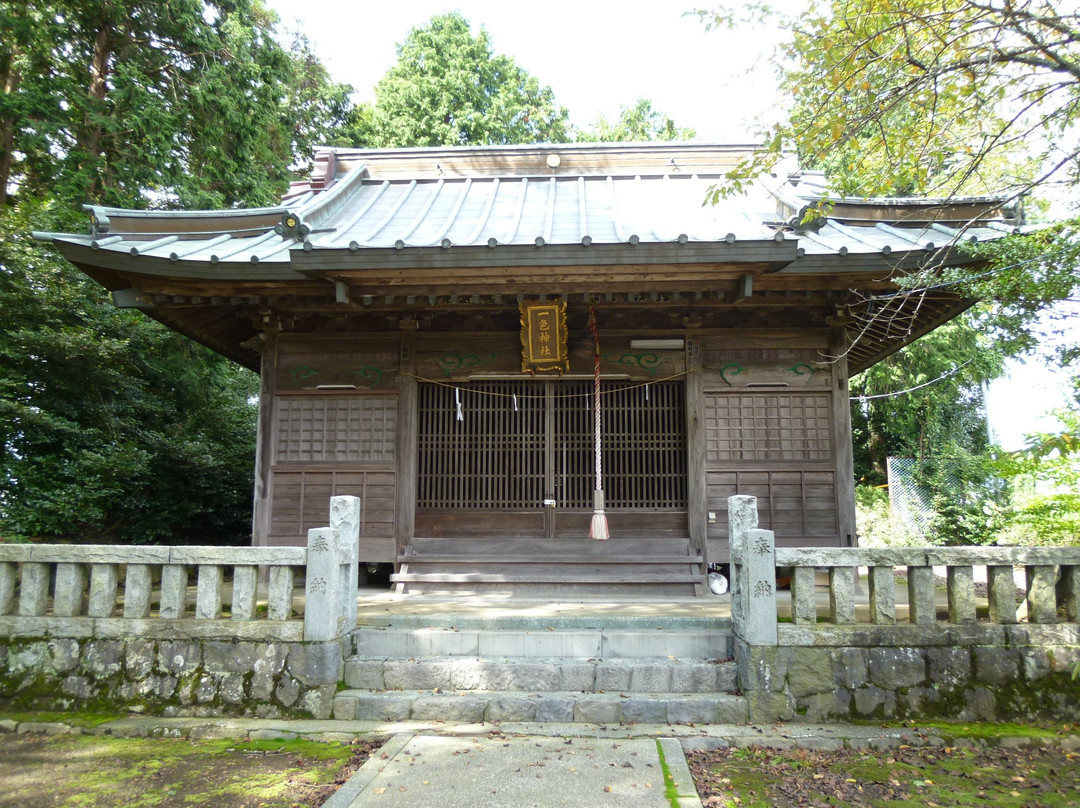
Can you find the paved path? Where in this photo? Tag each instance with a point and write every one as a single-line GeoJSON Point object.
{"type": "Point", "coordinates": [502, 771]}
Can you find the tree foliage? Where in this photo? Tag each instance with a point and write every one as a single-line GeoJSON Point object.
{"type": "Point", "coordinates": [191, 102]}
{"type": "Point", "coordinates": [922, 96]}
{"type": "Point", "coordinates": [111, 427]}
{"type": "Point", "coordinates": [637, 123]}
{"type": "Point", "coordinates": [925, 402]}
{"type": "Point", "coordinates": [449, 88]}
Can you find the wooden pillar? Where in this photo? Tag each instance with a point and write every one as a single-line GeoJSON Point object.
{"type": "Point", "coordinates": [696, 492]}
{"type": "Point", "coordinates": [843, 450]}
{"type": "Point", "coordinates": [264, 446]}
{"type": "Point", "coordinates": [407, 436]}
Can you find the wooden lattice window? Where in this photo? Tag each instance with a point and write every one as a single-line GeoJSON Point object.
{"type": "Point", "coordinates": [335, 428]}
{"type": "Point", "coordinates": [768, 427]}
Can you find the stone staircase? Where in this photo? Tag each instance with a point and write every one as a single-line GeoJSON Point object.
{"type": "Point", "coordinates": [468, 668]}
{"type": "Point", "coordinates": [530, 567]}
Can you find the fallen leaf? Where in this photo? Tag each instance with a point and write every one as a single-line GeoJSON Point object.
{"type": "Point", "coordinates": [380, 790]}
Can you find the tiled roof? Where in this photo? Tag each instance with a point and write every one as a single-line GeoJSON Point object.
{"type": "Point", "coordinates": [360, 212]}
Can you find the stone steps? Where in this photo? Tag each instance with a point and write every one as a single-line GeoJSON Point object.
{"type": "Point", "coordinates": [410, 642]}
{"type": "Point", "coordinates": [592, 668]}
{"type": "Point", "coordinates": [550, 707]}
{"type": "Point", "coordinates": [541, 675]}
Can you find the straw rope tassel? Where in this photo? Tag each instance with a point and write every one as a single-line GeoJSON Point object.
{"type": "Point", "coordinates": [598, 528]}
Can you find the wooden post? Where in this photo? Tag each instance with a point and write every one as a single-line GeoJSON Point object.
{"type": "Point", "coordinates": [264, 444]}
{"type": "Point", "coordinates": [405, 480]}
{"type": "Point", "coordinates": [696, 491]}
{"type": "Point", "coordinates": [842, 450]}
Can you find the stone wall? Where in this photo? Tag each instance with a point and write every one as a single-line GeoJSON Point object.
{"type": "Point", "coordinates": [934, 652]}
{"type": "Point", "coordinates": [182, 676]}
{"type": "Point", "coordinates": [1020, 673]}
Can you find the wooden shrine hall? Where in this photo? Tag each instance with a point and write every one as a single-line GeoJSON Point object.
{"type": "Point", "coordinates": [429, 325]}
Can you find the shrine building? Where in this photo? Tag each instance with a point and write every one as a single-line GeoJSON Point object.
{"type": "Point", "coordinates": [431, 325]}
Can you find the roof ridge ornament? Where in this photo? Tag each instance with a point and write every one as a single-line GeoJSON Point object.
{"type": "Point", "coordinates": [292, 226]}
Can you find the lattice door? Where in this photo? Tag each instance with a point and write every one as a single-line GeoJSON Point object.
{"type": "Point", "coordinates": [519, 442]}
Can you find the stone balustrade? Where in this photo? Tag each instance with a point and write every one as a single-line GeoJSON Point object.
{"type": "Point", "coordinates": [898, 632]}
{"type": "Point", "coordinates": [121, 590]}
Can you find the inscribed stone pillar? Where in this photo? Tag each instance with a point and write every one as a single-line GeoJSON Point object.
{"type": "Point", "coordinates": [759, 622]}
{"type": "Point", "coordinates": [345, 518]}
{"type": "Point", "coordinates": [322, 607]}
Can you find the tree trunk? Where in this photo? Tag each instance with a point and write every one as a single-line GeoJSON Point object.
{"type": "Point", "coordinates": [10, 77]}
{"type": "Point", "coordinates": [99, 73]}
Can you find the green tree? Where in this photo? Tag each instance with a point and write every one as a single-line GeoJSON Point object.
{"type": "Point", "coordinates": [449, 88]}
{"type": "Point", "coordinates": [637, 123]}
{"type": "Point", "coordinates": [112, 427]}
{"type": "Point", "coordinates": [926, 94]}
{"type": "Point", "coordinates": [925, 402]}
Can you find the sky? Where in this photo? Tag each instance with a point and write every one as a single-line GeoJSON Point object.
{"type": "Point", "coordinates": [595, 54]}
{"type": "Point", "coordinates": [598, 55]}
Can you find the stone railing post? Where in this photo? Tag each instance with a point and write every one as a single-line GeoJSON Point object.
{"type": "Point", "coordinates": [753, 573]}
{"type": "Point", "coordinates": [322, 608]}
{"type": "Point", "coordinates": [345, 518]}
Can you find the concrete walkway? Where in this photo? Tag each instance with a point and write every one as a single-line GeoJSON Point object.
{"type": "Point", "coordinates": [516, 765]}
{"type": "Point", "coordinates": [503, 771]}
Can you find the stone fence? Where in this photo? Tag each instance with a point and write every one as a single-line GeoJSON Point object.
{"type": "Point", "coordinates": [68, 625]}
{"type": "Point", "coordinates": [938, 652]}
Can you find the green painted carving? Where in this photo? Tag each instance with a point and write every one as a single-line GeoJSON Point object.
{"type": "Point", "coordinates": [734, 368]}
{"type": "Point", "coordinates": [448, 363]}
{"type": "Point", "coordinates": [646, 361]}
{"type": "Point", "coordinates": [303, 372]}
{"type": "Point", "coordinates": [370, 372]}
{"type": "Point", "coordinates": [802, 369]}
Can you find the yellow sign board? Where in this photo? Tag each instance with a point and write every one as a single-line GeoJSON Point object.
{"type": "Point", "coordinates": [543, 336]}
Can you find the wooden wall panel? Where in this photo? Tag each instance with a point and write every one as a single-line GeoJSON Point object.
{"type": "Point", "coordinates": [301, 501]}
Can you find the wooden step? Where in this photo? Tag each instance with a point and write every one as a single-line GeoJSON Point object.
{"type": "Point", "coordinates": [504, 578]}
{"type": "Point", "coordinates": [445, 558]}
